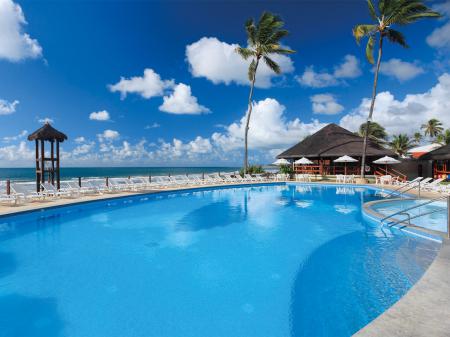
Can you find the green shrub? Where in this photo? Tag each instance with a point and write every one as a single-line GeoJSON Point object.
{"type": "Point", "coordinates": [252, 169]}
{"type": "Point", "coordinates": [286, 169]}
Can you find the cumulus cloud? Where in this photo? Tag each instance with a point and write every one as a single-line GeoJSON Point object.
{"type": "Point", "coordinates": [83, 149]}
{"type": "Point", "coordinates": [12, 154]}
{"type": "Point", "coordinates": [325, 104]}
{"type": "Point", "coordinates": [407, 115]}
{"type": "Point", "coordinates": [269, 129]}
{"type": "Point", "coordinates": [15, 44]}
{"type": "Point", "coordinates": [440, 37]}
{"type": "Point", "coordinates": [149, 85]}
{"type": "Point", "coordinates": [7, 108]}
{"type": "Point", "coordinates": [21, 135]}
{"type": "Point", "coordinates": [218, 62]}
{"type": "Point", "coordinates": [99, 116]}
{"type": "Point", "coordinates": [401, 70]}
{"type": "Point", "coordinates": [182, 102]}
{"type": "Point", "coordinates": [108, 135]}
{"type": "Point", "coordinates": [348, 69]}
{"type": "Point", "coordinates": [80, 139]}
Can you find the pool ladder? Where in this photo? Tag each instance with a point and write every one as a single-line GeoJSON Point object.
{"type": "Point", "coordinates": [409, 217]}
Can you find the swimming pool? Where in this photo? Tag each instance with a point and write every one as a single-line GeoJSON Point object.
{"type": "Point", "coordinates": [431, 216]}
{"type": "Point", "coordinates": [269, 260]}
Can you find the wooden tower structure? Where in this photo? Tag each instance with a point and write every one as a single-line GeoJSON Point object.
{"type": "Point", "coordinates": [47, 168]}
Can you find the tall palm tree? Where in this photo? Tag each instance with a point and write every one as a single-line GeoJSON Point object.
{"type": "Point", "coordinates": [387, 14]}
{"type": "Point", "coordinates": [417, 137]}
{"type": "Point", "coordinates": [444, 137]}
{"type": "Point", "coordinates": [401, 143]}
{"type": "Point", "coordinates": [432, 128]}
{"type": "Point", "coordinates": [263, 40]}
{"type": "Point", "coordinates": [376, 132]}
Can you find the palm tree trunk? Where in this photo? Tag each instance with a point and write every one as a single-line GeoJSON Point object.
{"type": "Point", "coordinates": [249, 112]}
{"type": "Point", "coordinates": [372, 105]}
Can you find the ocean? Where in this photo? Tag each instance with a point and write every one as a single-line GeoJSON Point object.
{"type": "Point", "coordinates": [87, 172]}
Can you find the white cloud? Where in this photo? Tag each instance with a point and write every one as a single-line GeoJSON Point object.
{"type": "Point", "coordinates": [407, 115]}
{"type": "Point", "coordinates": [21, 135]}
{"type": "Point", "coordinates": [108, 135]}
{"type": "Point", "coordinates": [269, 129]}
{"type": "Point", "coordinates": [348, 69]}
{"type": "Point", "coordinates": [152, 126]}
{"type": "Point", "coordinates": [7, 108]}
{"type": "Point", "coordinates": [45, 120]}
{"type": "Point", "coordinates": [218, 62]}
{"type": "Point", "coordinates": [325, 104]}
{"type": "Point", "coordinates": [80, 139]}
{"type": "Point", "coordinates": [401, 70]}
{"type": "Point", "coordinates": [83, 149]}
{"type": "Point", "coordinates": [15, 44]}
{"type": "Point", "coordinates": [440, 37]}
{"type": "Point", "coordinates": [181, 102]}
{"type": "Point", "coordinates": [99, 116]}
{"type": "Point", "coordinates": [16, 154]}
{"type": "Point", "coordinates": [149, 85]}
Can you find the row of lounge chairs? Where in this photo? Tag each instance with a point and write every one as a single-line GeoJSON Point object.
{"type": "Point", "coordinates": [425, 184]}
{"type": "Point", "coordinates": [21, 192]}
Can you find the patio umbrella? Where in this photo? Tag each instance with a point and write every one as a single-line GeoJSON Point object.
{"type": "Point", "coordinates": [303, 161]}
{"type": "Point", "coordinates": [386, 160]}
{"type": "Point", "coordinates": [345, 159]}
{"type": "Point", "coordinates": [281, 162]}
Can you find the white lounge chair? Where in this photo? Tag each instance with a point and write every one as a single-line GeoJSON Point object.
{"type": "Point", "coordinates": [26, 191]}
{"type": "Point", "coordinates": [432, 186]}
{"type": "Point", "coordinates": [50, 190]}
{"type": "Point", "coordinates": [120, 184]}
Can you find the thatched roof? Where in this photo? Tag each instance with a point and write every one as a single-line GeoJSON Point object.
{"type": "Point", "coordinates": [443, 153]}
{"type": "Point", "coordinates": [334, 141]}
{"type": "Point", "coordinates": [47, 132]}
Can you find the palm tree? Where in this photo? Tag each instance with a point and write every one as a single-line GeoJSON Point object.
{"type": "Point", "coordinates": [263, 39]}
{"type": "Point", "coordinates": [444, 137]}
{"type": "Point", "coordinates": [387, 14]}
{"type": "Point", "coordinates": [401, 143]}
{"type": "Point", "coordinates": [432, 128]}
{"type": "Point", "coordinates": [376, 132]}
{"type": "Point", "coordinates": [417, 137]}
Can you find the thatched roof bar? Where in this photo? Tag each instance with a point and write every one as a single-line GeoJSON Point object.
{"type": "Point", "coordinates": [48, 133]}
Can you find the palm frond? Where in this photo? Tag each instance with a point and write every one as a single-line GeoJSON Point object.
{"type": "Point", "coordinates": [396, 37]}
{"type": "Point", "coordinates": [361, 31]}
{"type": "Point", "coordinates": [372, 10]}
{"type": "Point", "coordinates": [251, 32]}
{"type": "Point", "coordinates": [245, 53]}
{"type": "Point", "coordinates": [272, 65]}
{"type": "Point", "coordinates": [369, 50]}
{"type": "Point", "coordinates": [280, 50]}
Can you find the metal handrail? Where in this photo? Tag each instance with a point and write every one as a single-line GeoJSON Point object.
{"type": "Point", "coordinates": [413, 217]}
{"type": "Point", "coordinates": [414, 183]}
{"type": "Point", "coordinates": [414, 207]}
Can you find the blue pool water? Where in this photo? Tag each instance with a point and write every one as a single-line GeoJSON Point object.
{"type": "Point", "coordinates": [431, 216]}
{"type": "Point", "coordinates": [284, 260]}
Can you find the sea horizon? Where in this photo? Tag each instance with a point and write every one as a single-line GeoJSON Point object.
{"type": "Point", "coordinates": [70, 172]}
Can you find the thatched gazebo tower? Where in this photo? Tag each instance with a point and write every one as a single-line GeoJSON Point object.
{"type": "Point", "coordinates": [47, 169]}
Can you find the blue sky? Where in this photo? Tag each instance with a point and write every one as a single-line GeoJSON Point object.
{"type": "Point", "coordinates": [157, 83]}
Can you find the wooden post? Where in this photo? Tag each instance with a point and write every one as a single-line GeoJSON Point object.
{"type": "Point", "coordinates": [149, 178]}
{"type": "Point", "coordinates": [38, 173]}
{"type": "Point", "coordinates": [58, 178]}
{"type": "Point", "coordinates": [42, 163]}
{"type": "Point", "coordinates": [107, 182]}
{"type": "Point", "coordinates": [203, 175]}
{"type": "Point", "coordinates": [52, 157]}
{"type": "Point", "coordinates": [79, 181]}
{"type": "Point", "coordinates": [8, 187]}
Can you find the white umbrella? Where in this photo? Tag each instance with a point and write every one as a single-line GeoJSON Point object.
{"type": "Point", "coordinates": [386, 160]}
{"type": "Point", "coordinates": [303, 161]}
{"type": "Point", "coordinates": [281, 162]}
{"type": "Point", "coordinates": [345, 159]}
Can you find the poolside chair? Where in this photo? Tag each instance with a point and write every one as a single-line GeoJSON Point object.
{"type": "Point", "coordinates": [410, 183]}
{"type": "Point", "coordinates": [215, 178]}
{"type": "Point", "coordinates": [52, 191]}
{"type": "Point", "coordinates": [26, 192]}
{"type": "Point", "coordinates": [432, 186]}
{"type": "Point", "coordinates": [139, 182]}
{"type": "Point", "coordinates": [250, 178]}
{"type": "Point", "coordinates": [100, 185]}
{"type": "Point", "coordinates": [195, 179]}
{"type": "Point", "coordinates": [120, 184]}
{"type": "Point", "coordinates": [8, 199]}
{"type": "Point", "coordinates": [72, 186]}
{"type": "Point", "coordinates": [162, 182]}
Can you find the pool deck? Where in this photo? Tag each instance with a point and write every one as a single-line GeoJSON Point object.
{"type": "Point", "coordinates": [423, 311]}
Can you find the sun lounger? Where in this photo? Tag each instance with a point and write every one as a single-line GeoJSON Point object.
{"type": "Point", "coordinates": [50, 190]}
{"type": "Point", "coordinates": [99, 185]}
{"type": "Point", "coordinates": [26, 191]}
{"type": "Point", "coordinates": [120, 184]}
{"type": "Point", "coordinates": [432, 186]}
{"type": "Point", "coordinates": [250, 178]}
